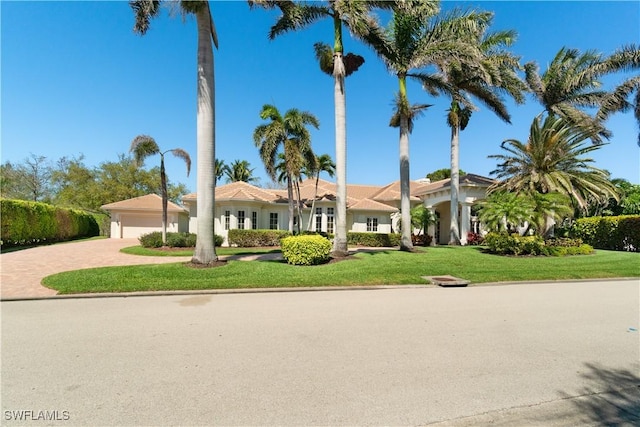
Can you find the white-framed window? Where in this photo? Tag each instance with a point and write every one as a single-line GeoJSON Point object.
{"type": "Point", "coordinates": [318, 219]}
{"type": "Point", "coordinates": [227, 220]}
{"type": "Point", "coordinates": [330, 220]}
{"type": "Point", "coordinates": [273, 220]}
{"type": "Point", "coordinates": [254, 220]}
{"type": "Point", "coordinates": [372, 224]}
{"type": "Point", "coordinates": [241, 220]}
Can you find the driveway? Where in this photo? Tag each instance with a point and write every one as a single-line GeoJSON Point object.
{"type": "Point", "coordinates": [23, 271]}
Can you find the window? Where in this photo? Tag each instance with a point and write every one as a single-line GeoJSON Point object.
{"type": "Point", "coordinates": [241, 220]}
{"type": "Point", "coordinates": [330, 220]}
{"type": "Point", "coordinates": [372, 224]}
{"type": "Point", "coordinates": [227, 219]}
{"type": "Point", "coordinates": [318, 219]}
{"type": "Point", "coordinates": [273, 221]}
{"type": "Point", "coordinates": [254, 220]}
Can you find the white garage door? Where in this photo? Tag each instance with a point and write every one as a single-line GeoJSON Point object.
{"type": "Point", "coordinates": [133, 226]}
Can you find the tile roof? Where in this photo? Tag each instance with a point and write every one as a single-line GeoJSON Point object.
{"type": "Point", "coordinates": [468, 180]}
{"type": "Point", "coordinates": [150, 202]}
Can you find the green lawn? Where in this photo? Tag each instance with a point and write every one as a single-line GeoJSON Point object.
{"type": "Point", "coordinates": [139, 250]}
{"type": "Point", "coordinates": [376, 268]}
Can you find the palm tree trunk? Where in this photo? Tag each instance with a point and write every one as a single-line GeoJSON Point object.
{"type": "Point", "coordinates": [205, 252]}
{"type": "Point", "coordinates": [405, 190]}
{"type": "Point", "coordinates": [298, 205]}
{"type": "Point", "coordinates": [340, 240]}
{"type": "Point", "coordinates": [291, 202]}
{"type": "Point", "coordinates": [163, 184]}
{"type": "Point", "coordinates": [313, 204]}
{"type": "Point", "coordinates": [454, 231]}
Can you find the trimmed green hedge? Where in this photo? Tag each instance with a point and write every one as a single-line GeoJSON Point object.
{"type": "Point", "coordinates": [255, 238]}
{"type": "Point", "coordinates": [618, 233]}
{"type": "Point", "coordinates": [514, 244]}
{"type": "Point", "coordinates": [306, 250]}
{"type": "Point", "coordinates": [28, 223]}
{"type": "Point", "coordinates": [373, 239]}
{"type": "Point", "coordinates": [174, 240]}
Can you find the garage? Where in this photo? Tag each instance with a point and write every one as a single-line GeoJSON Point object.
{"type": "Point", "coordinates": [134, 217]}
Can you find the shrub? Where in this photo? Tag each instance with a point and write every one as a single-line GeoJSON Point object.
{"type": "Point", "coordinates": [28, 223]}
{"type": "Point", "coordinates": [421, 239]}
{"type": "Point", "coordinates": [514, 244]}
{"type": "Point", "coordinates": [254, 238]}
{"type": "Point", "coordinates": [174, 240]}
{"type": "Point", "coordinates": [474, 239]}
{"type": "Point", "coordinates": [373, 239]}
{"type": "Point", "coordinates": [618, 233]}
{"type": "Point", "coordinates": [305, 250]}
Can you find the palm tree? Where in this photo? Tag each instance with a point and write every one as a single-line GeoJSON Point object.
{"type": "Point", "coordinates": [415, 39]}
{"type": "Point", "coordinates": [626, 58]}
{"type": "Point", "coordinates": [144, 146]}
{"type": "Point", "coordinates": [355, 15]}
{"type": "Point", "coordinates": [289, 133]}
{"type": "Point", "coordinates": [323, 163]}
{"type": "Point", "coordinates": [220, 168]}
{"type": "Point", "coordinates": [494, 75]}
{"type": "Point", "coordinates": [240, 170]}
{"type": "Point", "coordinates": [144, 11]}
{"type": "Point", "coordinates": [505, 211]}
{"type": "Point", "coordinates": [553, 160]}
{"type": "Point", "coordinates": [573, 81]}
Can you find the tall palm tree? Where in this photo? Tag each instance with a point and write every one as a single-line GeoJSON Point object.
{"type": "Point", "coordinates": [288, 133]}
{"type": "Point", "coordinates": [417, 38]}
{"type": "Point", "coordinates": [572, 82]}
{"type": "Point", "coordinates": [553, 161]}
{"type": "Point", "coordinates": [323, 163]}
{"type": "Point", "coordinates": [354, 14]}
{"type": "Point", "coordinates": [494, 75]}
{"type": "Point", "coordinates": [144, 11]}
{"type": "Point", "coordinates": [240, 170]}
{"type": "Point", "coordinates": [144, 146]}
{"type": "Point", "coordinates": [626, 58]}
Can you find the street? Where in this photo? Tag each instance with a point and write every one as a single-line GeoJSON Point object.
{"type": "Point", "coordinates": [526, 354]}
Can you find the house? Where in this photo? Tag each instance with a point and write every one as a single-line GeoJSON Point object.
{"type": "Point", "coordinates": [370, 208]}
{"type": "Point", "coordinates": [141, 215]}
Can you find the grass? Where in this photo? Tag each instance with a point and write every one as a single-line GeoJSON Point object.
{"type": "Point", "coordinates": [139, 250]}
{"type": "Point", "coordinates": [375, 268]}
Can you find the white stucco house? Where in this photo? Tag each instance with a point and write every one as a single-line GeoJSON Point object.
{"type": "Point", "coordinates": [132, 218]}
{"type": "Point", "coordinates": [370, 208]}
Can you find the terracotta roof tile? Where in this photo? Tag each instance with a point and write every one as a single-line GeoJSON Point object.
{"type": "Point", "coordinates": [150, 202]}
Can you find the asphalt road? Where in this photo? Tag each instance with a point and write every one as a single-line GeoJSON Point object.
{"type": "Point", "coordinates": [537, 354]}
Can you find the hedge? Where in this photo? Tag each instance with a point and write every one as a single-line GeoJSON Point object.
{"type": "Point", "coordinates": [514, 244]}
{"type": "Point", "coordinates": [174, 240]}
{"type": "Point", "coordinates": [618, 233]}
{"type": "Point", "coordinates": [255, 238]}
{"type": "Point", "coordinates": [373, 239]}
{"type": "Point", "coordinates": [28, 223]}
{"type": "Point", "coordinates": [306, 250]}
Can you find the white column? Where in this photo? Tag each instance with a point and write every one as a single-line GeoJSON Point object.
{"type": "Point", "coordinates": [465, 222]}
{"type": "Point", "coordinates": [431, 230]}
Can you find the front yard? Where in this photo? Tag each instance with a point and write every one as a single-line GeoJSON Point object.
{"type": "Point", "coordinates": [389, 267]}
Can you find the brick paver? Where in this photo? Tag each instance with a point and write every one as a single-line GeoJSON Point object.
{"type": "Point", "coordinates": [21, 272]}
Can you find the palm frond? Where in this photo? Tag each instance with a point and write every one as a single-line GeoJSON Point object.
{"type": "Point", "coordinates": [182, 154]}
{"type": "Point", "coordinates": [142, 147]}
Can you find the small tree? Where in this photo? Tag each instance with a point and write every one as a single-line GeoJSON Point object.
{"type": "Point", "coordinates": [144, 146]}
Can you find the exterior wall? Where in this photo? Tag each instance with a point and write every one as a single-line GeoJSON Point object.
{"type": "Point", "coordinates": [360, 221]}
{"type": "Point", "coordinates": [133, 224]}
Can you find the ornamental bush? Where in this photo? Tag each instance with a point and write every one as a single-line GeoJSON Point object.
{"type": "Point", "coordinates": [618, 233]}
{"type": "Point", "coordinates": [255, 238]}
{"type": "Point", "coordinates": [27, 223]}
{"type": "Point", "coordinates": [174, 240]}
{"type": "Point", "coordinates": [305, 250]}
{"type": "Point", "coordinates": [514, 244]}
{"type": "Point", "coordinates": [373, 239]}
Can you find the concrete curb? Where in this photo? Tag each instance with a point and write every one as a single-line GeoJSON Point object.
{"type": "Point", "coordinates": [300, 289]}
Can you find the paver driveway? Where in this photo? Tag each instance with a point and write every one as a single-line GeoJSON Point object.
{"type": "Point", "coordinates": [21, 272]}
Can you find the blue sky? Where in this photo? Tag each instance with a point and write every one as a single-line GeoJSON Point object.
{"type": "Point", "coordinates": [77, 80]}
